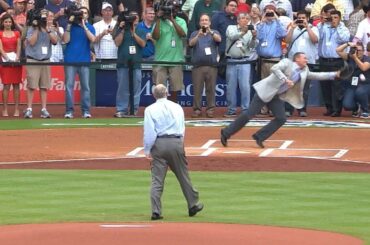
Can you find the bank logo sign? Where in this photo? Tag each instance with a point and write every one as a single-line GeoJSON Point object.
{"type": "Point", "coordinates": [289, 123]}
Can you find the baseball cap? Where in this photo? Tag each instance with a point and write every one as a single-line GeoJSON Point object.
{"type": "Point", "coordinates": [106, 5]}
{"type": "Point", "coordinates": [270, 6]}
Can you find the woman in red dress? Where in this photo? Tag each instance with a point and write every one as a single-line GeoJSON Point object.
{"type": "Point", "coordinates": [10, 49]}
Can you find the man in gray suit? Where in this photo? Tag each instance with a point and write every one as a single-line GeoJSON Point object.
{"type": "Point", "coordinates": [285, 83]}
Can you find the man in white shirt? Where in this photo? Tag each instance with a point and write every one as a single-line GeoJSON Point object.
{"type": "Point", "coordinates": [363, 30]}
{"type": "Point", "coordinates": [164, 128]}
{"type": "Point", "coordinates": [104, 46]}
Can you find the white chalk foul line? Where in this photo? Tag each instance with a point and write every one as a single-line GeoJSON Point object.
{"type": "Point", "coordinates": [286, 144]}
{"type": "Point", "coordinates": [266, 152]}
{"type": "Point", "coordinates": [340, 153]}
{"type": "Point", "coordinates": [124, 226]}
{"type": "Point", "coordinates": [135, 151]}
{"type": "Point", "coordinates": [208, 144]}
{"type": "Point", "coordinates": [64, 160]}
{"type": "Point", "coordinates": [208, 152]}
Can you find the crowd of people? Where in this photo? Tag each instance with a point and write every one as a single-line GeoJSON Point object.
{"type": "Point", "coordinates": [250, 37]}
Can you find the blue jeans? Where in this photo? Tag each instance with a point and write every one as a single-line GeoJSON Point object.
{"type": "Point", "coordinates": [84, 75]}
{"type": "Point", "coordinates": [238, 75]}
{"type": "Point", "coordinates": [354, 95]}
{"type": "Point", "coordinates": [123, 90]}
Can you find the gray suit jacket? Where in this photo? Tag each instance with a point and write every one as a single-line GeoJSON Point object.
{"type": "Point", "coordinates": [268, 87]}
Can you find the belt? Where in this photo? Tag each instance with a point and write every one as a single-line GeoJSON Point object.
{"type": "Point", "coordinates": [28, 57]}
{"type": "Point", "coordinates": [268, 58]}
{"type": "Point", "coordinates": [173, 136]}
{"type": "Point", "coordinates": [330, 59]}
{"type": "Point", "coordinates": [239, 58]}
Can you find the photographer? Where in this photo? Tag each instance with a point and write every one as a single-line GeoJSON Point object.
{"type": "Point", "coordinates": [204, 44]}
{"type": "Point", "coordinates": [130, 43]}
{"type": "Point", "coordinates": [303, 37]}
{"type": "Point", "coordinates": [39, 39]}
{"type": "Point", "coordinates": [78, 35]}
{"type": "Point", "coordinates": [58, 7]}
{"type": "Point", "coordinates": [357, 92]}
{"type": "Point", "coordinates": [333, 33]}
{"type": "Point", "coordinates": [240, 39]}
{"type": "Point", "coordinates": [168, 31]}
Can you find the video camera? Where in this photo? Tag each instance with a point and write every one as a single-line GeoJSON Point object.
{"type": "Point", "coordinates": [127, 17]}
{"type": "Point", "coordinates": [73, 10]}
{"type": "Point", "coordinates": [37, 17]}
{"type": "Point", "coordinates": [168, 8]}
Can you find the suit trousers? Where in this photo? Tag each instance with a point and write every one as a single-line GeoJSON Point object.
{"type": "Point", "coordinates": [204, 76]}
{"type": "Point", "coordinates": [169, 152]}
{"type": "Point", "coordinates": [276, 105]}
{"type": "Point", "coordinates": [332, 91]}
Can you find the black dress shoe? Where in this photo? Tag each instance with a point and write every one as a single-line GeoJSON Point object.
{"type": "Point", "coordinates": [223, 138]}
{"type": "Point", "coordinates": [335, 114]}
{"type": "Point", "coordinates": [327, 113]}
{"type": "Point", "coordinates": [156, 216]}
{"type": "Point", "coordinates": [195, 209]}
{"type": "Point", "coordinates": [259, 142]}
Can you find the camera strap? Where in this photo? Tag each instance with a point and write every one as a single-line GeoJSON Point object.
{"type": "Point", "coordinates": [295, 39]}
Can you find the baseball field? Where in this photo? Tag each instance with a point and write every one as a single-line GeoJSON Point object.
{"type": "Point", "coordinates": [86, 182]}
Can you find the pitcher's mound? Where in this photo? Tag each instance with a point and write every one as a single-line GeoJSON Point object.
{"type": "Point", "coordinates": [165, 233]}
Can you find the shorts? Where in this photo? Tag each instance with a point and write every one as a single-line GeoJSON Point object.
{"type": "Point", "coordinates": [38, 76]}
{"type": "Point", "coordinates": [174, 75]}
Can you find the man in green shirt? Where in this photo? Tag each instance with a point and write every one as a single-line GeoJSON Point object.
{"type": "Point", "coordinates": [168, 33]}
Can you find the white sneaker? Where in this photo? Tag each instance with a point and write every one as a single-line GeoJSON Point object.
{"type": "Point", "coordinates": [45, 114]}
{"type": "Point", "coordinates": [86, 115]}
{"type": "Point", "coordinates": [28, 113]}
{"type": "Point", "coordinates": [68, 115]}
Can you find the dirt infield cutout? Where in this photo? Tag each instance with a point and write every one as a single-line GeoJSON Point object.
{"type": "Point", "coordinates": [276, 148]}
{"type": "Point", "coordinates": [166, 233]}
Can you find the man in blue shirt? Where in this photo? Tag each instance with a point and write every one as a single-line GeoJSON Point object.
{"type": "Point", "coordinates": [333, 33]}
{"type": "Point", "coordinates": [270, 33]}
{"type": "Point", "coordinates": [77, 37]}
{"type": "Point", "coordinates": [146, 26]}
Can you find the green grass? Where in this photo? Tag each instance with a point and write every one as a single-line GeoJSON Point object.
{"type": "Point", "coordinates": [337, 202]}
{"type": "Point", "coordinates": [68, 123]}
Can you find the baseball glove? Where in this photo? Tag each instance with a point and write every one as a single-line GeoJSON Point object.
{"type": "Point", "coordinates": [345, 72]}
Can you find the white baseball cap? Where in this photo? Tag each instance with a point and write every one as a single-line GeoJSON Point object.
{"type": "Point", "coordinates": [106, 5]}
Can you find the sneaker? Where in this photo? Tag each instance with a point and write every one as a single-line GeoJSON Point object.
{"type": "Point", "coordinates": [120, 114]}
{"type": "Point", "coordinates": [86, 115]}
{"type": "Point", "coordinates": [196, 113]}
{"type": "Point", "coordinates": [355, 114]}
{"type": "Point", "coordinates": [68, 115]}
{"type": "Point", "coordinates": [364, 115]}
{"type": "Point", "coordinates": [230, 114]}
{"type": "Point", "coordinates": [303, 114]}
{"type": "Point", "coordinates": [28, 113]}
{"type": "Point", "coordinates": [45, 114]}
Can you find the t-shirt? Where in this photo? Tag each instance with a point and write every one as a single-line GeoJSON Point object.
{"type": "Point", "coordinates": [78, 48]}
{"type": "Point", "coordinates": [169, 47]}
{"type": "Point", "coordinates": [42, 48]}
{"type": "Point", "coordinates": [124, 54]}
{"type": "Point", "coordinates": [149, 47]}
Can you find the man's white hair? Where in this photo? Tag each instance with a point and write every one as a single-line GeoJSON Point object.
{"type": "Point", "coordinates": [160, 91]}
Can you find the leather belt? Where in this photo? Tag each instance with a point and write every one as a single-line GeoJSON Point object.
{"type": "Point", "coordinates": [169, 136]}
{"type": "Point", "coordinates": [330, 59]}
{"type": "Point", "coordinates": [239, 58]}
{"type": "Point", "coordinates": [28, 57]}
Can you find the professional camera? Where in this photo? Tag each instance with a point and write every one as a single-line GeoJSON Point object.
{"type": "Point", "coordinates": [73, 10]}
{"type": "Point", "coordinates": [352, 50]}
{"type": "Point", "coordinates": [168, 8]}
{"type": "Point", "coordinates": [250, 27]}
{"type": "Point", "coordinates": [127, 17]}
{"type": "Point", "coordinates": [37, 17]}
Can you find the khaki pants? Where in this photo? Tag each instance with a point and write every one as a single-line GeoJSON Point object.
{"type": "Point", "coordinates": [204, 76]}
